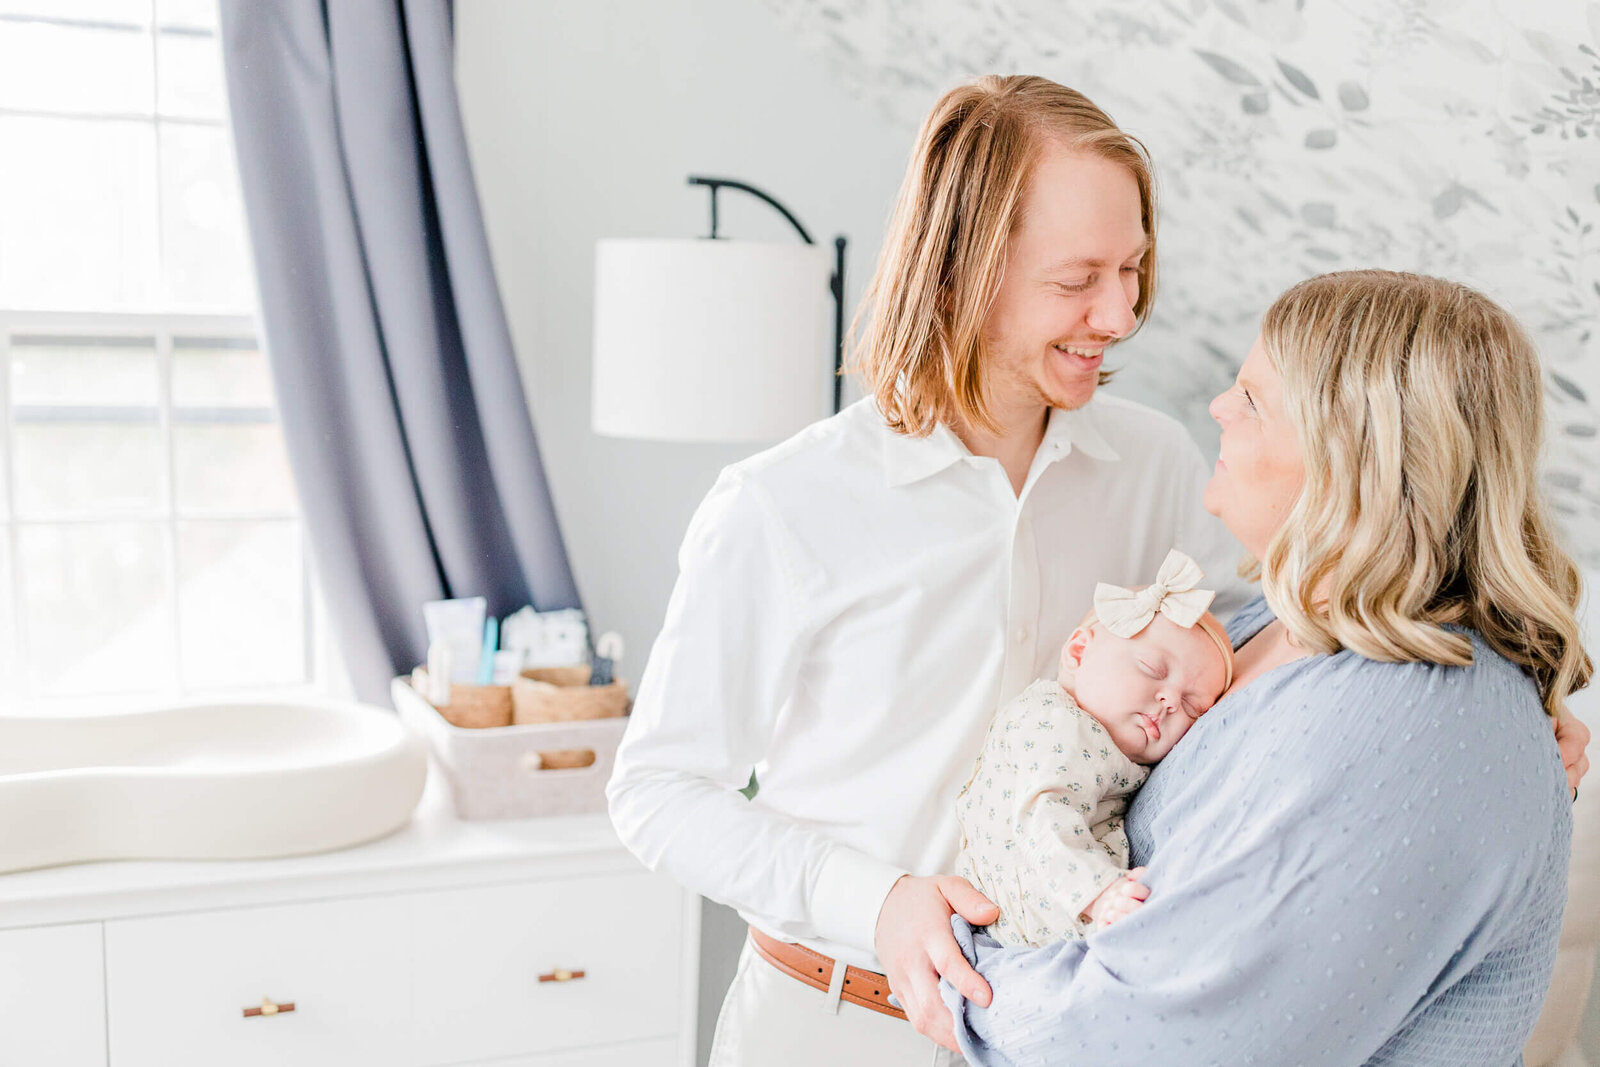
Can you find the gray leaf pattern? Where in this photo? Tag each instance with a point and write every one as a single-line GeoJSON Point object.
{"type": "Point", "coordinates": [1228, 68]}
{"type": "Point", "coordinates": [1451, 137]}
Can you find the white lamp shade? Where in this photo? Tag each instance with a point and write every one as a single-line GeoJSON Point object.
{"type": "Point", "coordinates": [701, 340]}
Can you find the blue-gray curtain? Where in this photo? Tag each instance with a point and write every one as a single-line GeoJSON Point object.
{"type": "Point", "coordinates": [408, 432]}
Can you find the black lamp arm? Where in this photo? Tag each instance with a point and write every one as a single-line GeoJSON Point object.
{"type": "Point", "coordinates": [717, 183]}
{"type": "Point", "coordinates": [835, 284]}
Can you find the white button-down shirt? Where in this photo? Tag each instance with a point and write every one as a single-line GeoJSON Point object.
{"type": "Point", "coordinates": [852, 607]}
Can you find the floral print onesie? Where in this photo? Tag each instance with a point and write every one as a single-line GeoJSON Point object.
{"type": "Point", "coordinates": [1041, 816]}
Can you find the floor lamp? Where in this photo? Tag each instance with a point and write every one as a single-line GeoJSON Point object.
{"type": "Point", "coordinates": [711, 339]}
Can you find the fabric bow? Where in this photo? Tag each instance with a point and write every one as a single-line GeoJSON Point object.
{"type": "Point", "coordinates": [1173, 594]}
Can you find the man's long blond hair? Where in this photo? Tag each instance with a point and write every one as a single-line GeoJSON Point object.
{"type": "Point", "coordinates": [920, 352]}
{"type": "Point", "coordinates": [1420, 411]}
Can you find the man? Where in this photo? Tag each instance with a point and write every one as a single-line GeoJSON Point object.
{"type": "Point", "coordinates": [854, 603]}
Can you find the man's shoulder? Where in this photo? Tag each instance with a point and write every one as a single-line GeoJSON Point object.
{"type": "Point", "coordinates": [781, 495]}
{"type": "Point", "coordinates": [835, 453]}
{"type": "Point", "coordinates": [839, 458]}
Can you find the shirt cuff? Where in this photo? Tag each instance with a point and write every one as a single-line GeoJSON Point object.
{"type": "Point", "coordinates": [850, 891]}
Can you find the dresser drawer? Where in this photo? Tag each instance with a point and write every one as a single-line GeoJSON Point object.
{"type": "Point", "coordinates": [480, 954]}
{"type": "Point", "coordinates": [177, 986]}
{"type": "Point", "coordinates": [52, 996]}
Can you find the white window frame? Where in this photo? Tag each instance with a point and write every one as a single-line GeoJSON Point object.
{"type": "Point", "coordinates": [320, 665]}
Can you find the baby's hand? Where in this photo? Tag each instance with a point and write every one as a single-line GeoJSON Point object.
{"type": "Point", "coordinates": [1117, 900]}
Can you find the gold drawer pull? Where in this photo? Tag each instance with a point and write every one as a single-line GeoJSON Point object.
{"type": "Point", "coordinates": [560, 974]}
{"type": "Point", "coordinates": [269, 1007]}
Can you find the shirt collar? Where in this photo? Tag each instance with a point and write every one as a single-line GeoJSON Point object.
{"type": "Point", "coordinates": [1079, 428]}
{"type": "Point", "coordinates": [908, 459]}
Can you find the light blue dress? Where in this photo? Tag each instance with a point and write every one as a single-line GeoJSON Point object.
{"type": "Point", "coordinates": [1351, 862]}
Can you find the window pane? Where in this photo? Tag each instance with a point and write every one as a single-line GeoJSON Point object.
{"type": "Point", "coordinates": [88, 468]}
{"type": "Point", "coordinates": [241, 604]}
{"type": "Point", "coordinates": [9, 677]}
{"type": "Point", "coordinates": [129, 12]}
{"type": "Point", "coordinates": [84, 372]}
{"type": "Point", "coordinates": [232, 467]}
{"type": "Point", "coordinates": [76, 69]}
{"type": "Point", "coordinates": [77, 213]}
{"type": "Point", "coordinates": [189, 76]}
{"type": "Point", "coordinates": [190, 14]}
{"type": "Point", "coordinates": [207, 262]}
{"type": "Point", "coordinates": [209, 375]}
{"type": "Point", "coordinates": [86, 431]}
{"type": "Point", "coordinates": [97, 609]}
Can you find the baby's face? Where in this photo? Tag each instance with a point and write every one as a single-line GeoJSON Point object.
{"type": "Point", "coordinates": [1146, 690]}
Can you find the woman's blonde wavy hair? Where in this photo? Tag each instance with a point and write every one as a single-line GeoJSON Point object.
{"type": "Point", "coordinates": [917, 339]}
{"type": "Point", "coordinates": [1420, 411]}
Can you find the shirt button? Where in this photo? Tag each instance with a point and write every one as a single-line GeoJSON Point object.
{"type": "Point", "coordinates": [1023, 635]}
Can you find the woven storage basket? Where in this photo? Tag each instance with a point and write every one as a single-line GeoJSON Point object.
{"type": "Point", "coordinates": [563, 694]}
{"type": "Point", "coordinates": [477, 707]}
{"type": "Point", "coordinates": [514, 772]}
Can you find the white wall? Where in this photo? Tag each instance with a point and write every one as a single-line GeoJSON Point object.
{"type": "Point", "coordinates": [584, 117]}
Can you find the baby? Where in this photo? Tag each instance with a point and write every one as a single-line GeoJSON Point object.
{"type": "Point", "coordinates": [1041, 816]}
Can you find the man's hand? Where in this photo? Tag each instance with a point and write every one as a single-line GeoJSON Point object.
{"type": "Point", "coordinates": [1118, 900]}
{"type": "Point", "coordinates": [1573, 737]}
{"type": "Point", "coordinates": [916, 946]}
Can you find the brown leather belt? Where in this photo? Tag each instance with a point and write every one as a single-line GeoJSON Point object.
{"type": "Point", "coordinates": [869, 989]}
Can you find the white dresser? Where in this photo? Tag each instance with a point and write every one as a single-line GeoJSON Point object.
{"type": "Point", "coordinates": [535, 943]}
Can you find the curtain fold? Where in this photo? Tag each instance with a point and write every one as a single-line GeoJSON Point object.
{"type": "Point", "coordinates": [408, 431]}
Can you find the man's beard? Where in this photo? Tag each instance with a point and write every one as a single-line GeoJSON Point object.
{"type": "Point", "coordinates": [1021, 387]}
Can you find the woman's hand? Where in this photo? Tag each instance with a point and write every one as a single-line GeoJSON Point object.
{"type": "Point", "coordinates": [916, 947]}
{"type": "Point", "coordinates": [1573, 737]}
{"type": "Point", "coordinates": [1117, 900]}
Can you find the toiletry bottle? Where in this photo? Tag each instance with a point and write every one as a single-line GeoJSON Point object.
{"type": "Point", "coordinates": [438, 693]}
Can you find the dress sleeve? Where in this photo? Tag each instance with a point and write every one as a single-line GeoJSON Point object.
{"type": "Point", "coordinates": [737, 627]}
{"type": "Point", "coordinates": [1406, 842]}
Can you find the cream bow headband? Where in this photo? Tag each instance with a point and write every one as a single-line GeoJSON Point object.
{"type": "Point", "coordinates": [1126, 613]}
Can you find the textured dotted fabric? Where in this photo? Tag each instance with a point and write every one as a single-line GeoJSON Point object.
{"type": "Point", "coordinates": [1041, 816]}
{"type": "Point", "coordinates": [1351, 862]}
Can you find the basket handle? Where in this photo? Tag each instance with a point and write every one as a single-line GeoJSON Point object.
{"type": "Point", "coordinates": [558, 759]}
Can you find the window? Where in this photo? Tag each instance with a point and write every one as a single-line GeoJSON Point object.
{"type": "Point", "coordinates": [152, 542]}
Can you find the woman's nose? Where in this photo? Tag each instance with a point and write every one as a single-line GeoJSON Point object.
{"type": "Point", "coordinates": [1215, 407]}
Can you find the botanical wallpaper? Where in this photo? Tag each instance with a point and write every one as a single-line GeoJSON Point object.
{"type": "Point", "coordinates": [1291, 137]}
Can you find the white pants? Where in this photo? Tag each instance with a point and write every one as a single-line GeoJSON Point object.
{"type": "Point", "coordinates": [769, 1019]}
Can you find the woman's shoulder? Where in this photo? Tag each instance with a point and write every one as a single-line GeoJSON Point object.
{"type": "Point", "coordinates": [1450, 748]}
{"type": "Point", "coordinates": [1248, 620]}
{"type": "Point", "coordinates": [1434, 721]}
{"type": "Point", "coordinates": [1490, 679]}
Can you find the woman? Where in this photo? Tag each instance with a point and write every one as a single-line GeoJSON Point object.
{"type": "Point", "coordinates": [1415, 634]}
